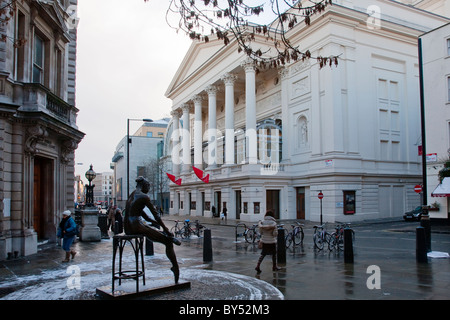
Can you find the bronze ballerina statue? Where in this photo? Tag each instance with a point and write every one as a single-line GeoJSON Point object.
{"type": "Point", "coordinates": [133, 223]}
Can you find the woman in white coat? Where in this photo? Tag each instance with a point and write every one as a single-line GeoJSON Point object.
{"type": "Point", "coordinates": [269, 233]}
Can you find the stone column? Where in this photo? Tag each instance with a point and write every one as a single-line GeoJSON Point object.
{"type": "Point", "coordinates": [212, 126]}
{"type": "Point", "coordinates": [229, 80]}
{"type": "Point", "coordinates": [250, 111]}
{"type": "Point", "coordinates": [175, 142]}
{"type": "Point", "coordinates": [186, 143]}
{"type": "Point", "coordinates": [198, 131]}
{"type": "Point", "coordinates": [283, 74]}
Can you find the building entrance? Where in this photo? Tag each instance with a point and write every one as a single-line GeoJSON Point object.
{"type": "Point", "coordinates": [273, 202]}
{"type": "Point", "coordinates": [43, 197]}
{"type": "Point", "coordinates": [300, 200]}
{"type": "Point", "coordinates": [238, 204]}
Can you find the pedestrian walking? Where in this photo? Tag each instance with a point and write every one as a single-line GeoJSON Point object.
{"type": "Point", "coordinates": [224, 212]}
{"type": "Point", "coordinates": [269, 232]}
{"type": "Point", "coordinates": [119, 219]}
{"type": "Point", "coordinates": [67, 230]}
{"type": "Point", "coordinates": [111, 217]}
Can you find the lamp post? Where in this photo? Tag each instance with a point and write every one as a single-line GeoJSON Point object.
{"type": "Point", "coordinates": [425, 218]}
{"type": "Point", "coordinates": [128, 150]}
{"type": "Point", "coordinates": [89, 214]}
{"type": "Point", "coordinates": [90, 175]}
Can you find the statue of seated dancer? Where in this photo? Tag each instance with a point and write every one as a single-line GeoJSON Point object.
{"type": "Point", "coordinates": [133, 223]}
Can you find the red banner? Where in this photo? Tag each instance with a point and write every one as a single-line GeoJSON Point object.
{"type": "Point", "coordinates": [172, 178]}
{"type": "Point", "coordinates": [199, 173]}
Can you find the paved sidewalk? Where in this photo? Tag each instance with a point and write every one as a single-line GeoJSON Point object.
{"type": "Point", "coordinates": [388, 245]}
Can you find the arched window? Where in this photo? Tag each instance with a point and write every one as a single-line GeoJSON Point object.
{"type": "Point", "coordinates": [269, 141]}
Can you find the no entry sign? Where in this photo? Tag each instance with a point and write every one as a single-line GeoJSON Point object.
{"type": "Point", "coordinates": [320, 195]}
{"type": "Point", "coordinates": [418, 188]}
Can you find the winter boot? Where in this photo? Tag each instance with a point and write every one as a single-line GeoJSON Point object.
{"type": "Point", "coordinates": [73, 253]}
{"type": "Point", "coordinates": [274, 264]}
{"type": "Point", "coordinates": [258, 270]}
{"type": "Point", "coordinates": [67, 257]}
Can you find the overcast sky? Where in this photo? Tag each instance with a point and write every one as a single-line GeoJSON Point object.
{"type": "Point", "coordinates": [126, 58]}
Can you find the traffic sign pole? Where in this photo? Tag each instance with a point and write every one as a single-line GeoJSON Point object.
{"type": "Point", "coordinates": [320, 196]}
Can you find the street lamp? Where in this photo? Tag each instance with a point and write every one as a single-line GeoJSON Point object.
{"type": "Point", "coordinates": [425, 218]}
{"type": "Point", "coordinates": [90, 175]}
{"type": "Point", "coordinates": [128, 150]}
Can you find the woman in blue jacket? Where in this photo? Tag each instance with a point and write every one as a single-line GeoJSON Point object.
{"type": "Point", "coordinates": [67, 230]}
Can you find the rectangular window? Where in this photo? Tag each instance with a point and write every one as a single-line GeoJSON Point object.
{"type": "Point", "coordinates": [38, 61]}
{"type": "Point", "coordinates": [20, 49]}
{"type": "Point", "coordinates": [59, 73]}
{"type": "Point", "coordinates": [448, 47]}
{"type": "Point", "coordinates": [448, 89]}
{"type": "Point", "coordinates": [349, 202]}
{"type": "Point", "coordinates": [141, 171]}
{"type": "Point", "coordinates": [389, 106]}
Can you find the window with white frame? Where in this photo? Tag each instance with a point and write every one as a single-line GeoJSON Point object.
{"type": "Point", "coordinates": [448, 47]}
{"type": "Point", "coordinates": [38, 61]}
{"type": "Point", "coordinates": [448, 88]}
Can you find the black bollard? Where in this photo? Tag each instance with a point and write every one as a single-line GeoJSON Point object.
{"type": "Point", "coordinates": [421, 245]}
{"type": "Point", "coordinates": [149, 247]}
{"type": "Point", "coordinates": [426, 224]}
{"type": "Point", "coordinates": [281, 246]}
{"type": "Point", "coordinates": [348, 245]}
{"type": "Point", "coordinates": [207, 246]}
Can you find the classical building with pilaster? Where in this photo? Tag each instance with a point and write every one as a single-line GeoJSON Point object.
{"type": "Point", "coordinates": [38, 130]}
{"type": "Point", "coordinates": [272, 139]}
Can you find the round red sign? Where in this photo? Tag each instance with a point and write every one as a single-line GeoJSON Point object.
{"type": "Point", "coordinates": [320, 195]}
{"type": "Point", "coordinates": [418, 188]}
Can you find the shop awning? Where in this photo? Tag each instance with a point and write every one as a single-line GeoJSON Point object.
{"type": "Point", "coordinates": [443, 189]}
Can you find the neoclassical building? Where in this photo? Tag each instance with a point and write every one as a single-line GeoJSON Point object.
{"type": "Point", "coordinates": [38, 130]}
{"type": "Point", "coordinates": [273, 139]}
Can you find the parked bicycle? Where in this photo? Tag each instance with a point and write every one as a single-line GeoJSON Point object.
{"type": "Point", "coordinates": [188, 230]}
{"type": "Point", "coordinates": [320, 236]}
{"type": "Point", "coordinates": [252, 234]}
{"type": "Point", "coordinates": [295, 236]}
{"type": "Point", "coordinates": [198, 229]}
{"type": "Point", "coordinates": [176, 229]}
{"type": "Point", "coordinates": [337, 237]}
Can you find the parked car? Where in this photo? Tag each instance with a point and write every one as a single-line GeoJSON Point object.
{"type": "Point", "coordinates": [413, 215]}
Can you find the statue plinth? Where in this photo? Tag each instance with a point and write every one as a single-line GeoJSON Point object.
{"type": "Point", "coordinates": [89, 230]}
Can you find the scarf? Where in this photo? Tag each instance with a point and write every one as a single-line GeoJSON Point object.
{"type": "Point", "coordinates": [63, 222]}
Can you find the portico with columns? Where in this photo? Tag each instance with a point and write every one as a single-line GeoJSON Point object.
{"type": "Point", "coordinates": [206, 136]}
{"type": "Point", "coordinates": [271, 139]}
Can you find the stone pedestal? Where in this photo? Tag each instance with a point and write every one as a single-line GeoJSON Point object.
{"type": "Point", "coordinates": [89, 230]}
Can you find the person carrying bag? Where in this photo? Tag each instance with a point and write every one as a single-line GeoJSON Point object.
{"type": "Point", "coordinates": [67, 230]}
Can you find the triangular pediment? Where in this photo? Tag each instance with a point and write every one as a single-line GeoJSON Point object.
{"type": "Point", "coordinates": [196, 58]}
{"type": "Point", "coordinates": [56, 14]}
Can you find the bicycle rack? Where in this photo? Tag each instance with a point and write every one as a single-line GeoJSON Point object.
{"type": "Point", "coordinates": [241, 224]}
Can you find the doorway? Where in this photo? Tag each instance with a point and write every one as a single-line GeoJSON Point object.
{"type": "Point", "coordinates": [203, 204]}
{"type": "Point", "coordinates": [300, 203]}
{"type": "Point", "coordinates": [238, 204]}
{"type": "Point", "coordinates": [217, 202]}
{"type": "Point", "coordinates": [43, 197]}
{"type": "Point", "coordinates": [273, 202]}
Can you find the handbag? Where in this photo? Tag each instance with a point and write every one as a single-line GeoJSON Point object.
{"type": "Point", "coordinates": [260, 244]}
